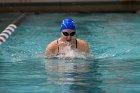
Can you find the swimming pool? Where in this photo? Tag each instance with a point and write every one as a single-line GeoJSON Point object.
{"type": "Point", "coordinates": [113, 39]}
{"type": "Point", "coordinates": [6, 19]}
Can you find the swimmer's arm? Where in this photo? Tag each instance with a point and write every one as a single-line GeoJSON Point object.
{"type": "Point", "coordinates": [85, 47]}
{"type": "Point", "coordinates": [50, 51]}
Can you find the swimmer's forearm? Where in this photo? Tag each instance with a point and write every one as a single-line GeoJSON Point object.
{"type": "Point", "coordinates": [50, 55]}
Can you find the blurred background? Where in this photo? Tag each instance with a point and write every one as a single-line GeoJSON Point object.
{"type": "Point", "coordinates": [69, 5]}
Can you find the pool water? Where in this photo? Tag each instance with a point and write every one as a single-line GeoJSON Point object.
{"type": "Point", "coordinates": [6, 19]}
{"type": "Point", "coordinates": [113, 39]}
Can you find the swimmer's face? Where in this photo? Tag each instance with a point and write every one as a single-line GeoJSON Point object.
{"type": "Point", "coordinates": [68, 34]}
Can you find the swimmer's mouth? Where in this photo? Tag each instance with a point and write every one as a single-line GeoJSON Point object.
{"type": "Point", "coordinates": [68, 40]}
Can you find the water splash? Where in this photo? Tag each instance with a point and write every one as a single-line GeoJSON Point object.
{"type": "Point", "coordinates": [73, 53]}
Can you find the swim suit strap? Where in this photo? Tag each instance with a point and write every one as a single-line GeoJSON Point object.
{"type": "Point", "coordinates": [58, 46]}
{"type": "Point", "coordinates": [76, 43]}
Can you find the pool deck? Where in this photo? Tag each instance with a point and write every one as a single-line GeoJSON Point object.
{"type": "Point", "coordinates": [90, 6]}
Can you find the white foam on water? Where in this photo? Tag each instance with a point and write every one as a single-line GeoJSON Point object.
{"type": "Point", "coordinates": [73, 53]}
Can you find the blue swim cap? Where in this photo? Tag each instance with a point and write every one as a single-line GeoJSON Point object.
{"type": "Point", "coordinates": [67, 23]}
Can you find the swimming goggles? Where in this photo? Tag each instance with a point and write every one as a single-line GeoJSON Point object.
{"type": "Point", "coordinates": [67, 34]}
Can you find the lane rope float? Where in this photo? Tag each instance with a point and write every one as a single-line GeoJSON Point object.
{"type": "Point", "coordinates": [11, 28]}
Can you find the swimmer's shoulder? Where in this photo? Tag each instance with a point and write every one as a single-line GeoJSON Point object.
{"type": "Point", "coordinates": [52, 45]}
{"type": "Point", "coordinates": [82, 42]}
{"type": "Point", "coordinates": [83, 45]}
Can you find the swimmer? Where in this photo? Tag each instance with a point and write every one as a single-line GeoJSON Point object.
{"type": "Point", "coordinates": [66, 41]}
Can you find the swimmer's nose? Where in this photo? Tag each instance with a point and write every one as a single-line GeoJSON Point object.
{"type": "Point", "coordinates": [68, 37]}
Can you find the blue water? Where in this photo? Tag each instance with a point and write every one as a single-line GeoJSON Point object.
{"type": "Point", "coordinates": [113, 40]}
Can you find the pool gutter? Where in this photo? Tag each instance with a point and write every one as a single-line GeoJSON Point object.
{"type": "Point", "coordinates": [89, 6]}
